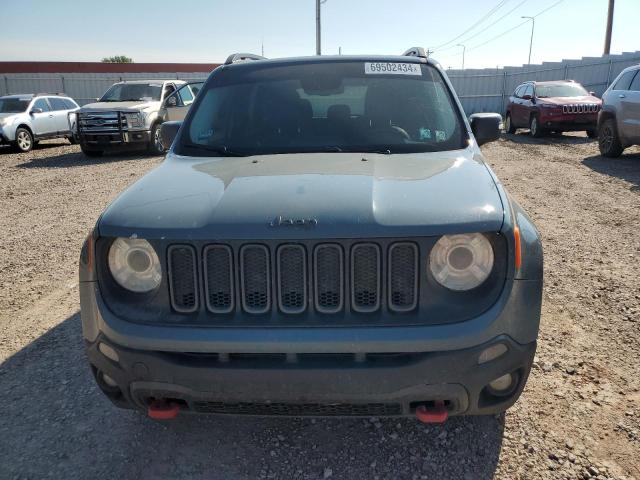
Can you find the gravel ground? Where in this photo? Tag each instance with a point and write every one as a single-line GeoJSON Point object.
{"type": "Point", "coordinates": [579, 416]}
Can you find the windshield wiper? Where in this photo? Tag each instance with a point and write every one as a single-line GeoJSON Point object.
{"type": "Point", "coordinates": [222, 150]}
{"type": "Point", "coordinates": [384, 151]}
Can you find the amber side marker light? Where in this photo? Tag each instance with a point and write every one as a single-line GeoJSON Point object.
{"type": "Point", "coordinates": [516, 238]}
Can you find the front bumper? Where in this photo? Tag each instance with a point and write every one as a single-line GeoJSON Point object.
{"type": "Point", "coordinates": [569, 123]}
{"type": "Point", "coordinates": [111, 140]}
{"type": "Point", "coordinates": [323, 385]}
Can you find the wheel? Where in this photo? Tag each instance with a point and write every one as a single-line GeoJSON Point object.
{"type": "Point", "coordinates": [509, 127]}
{"type": "Point", "coordinates": [24, 140]}
{"type": "Point", "coordinates": [91, 153]}
{"type": "Point", "coordinates": [534, 128]}
{"type": "Point", "coordinates": [155, 145]}
{"type": "Point", "coordinates": [592, 133]}
{"type": "Point", "coordinates": [608, 141]}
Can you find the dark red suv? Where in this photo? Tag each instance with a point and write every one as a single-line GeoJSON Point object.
{"type": "Point", "coordinates": [558, 106]}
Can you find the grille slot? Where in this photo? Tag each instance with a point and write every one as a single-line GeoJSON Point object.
{"type": "Point", "coordinates": [183, 278]}
{"type": "Point", "coordinates": [403, 277]}
{"type": "Point", "coordinates": [302, 409]}
{"type": "Point", "coordinates": [255, 278]}
{"type": "Point", "coordinates": [329, 278]}
{"type": "Point", "coordinates": [365, 277]}
{"type": "Point", "coordinates": [218, 276]}
{"type": "Point", "coordinates": [292, 278]}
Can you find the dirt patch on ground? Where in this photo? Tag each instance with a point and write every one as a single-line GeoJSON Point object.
{"type": "Point", "coordinates": [579, 416]}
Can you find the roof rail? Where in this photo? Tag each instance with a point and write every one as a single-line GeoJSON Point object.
{"type": "Point", "coordinates": [416, 52]}
{"type": "Point", "coordinates": [241, 57]}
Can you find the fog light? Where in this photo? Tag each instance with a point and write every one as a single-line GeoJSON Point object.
{"type": "Point", "coordinates": [501, 384]}
{"type": "Point", "coordinates": [491, 353]}
{"type": "Point", "coordinates": [108, 380]}
{"type": "Point", "coordinates": [108, 352]}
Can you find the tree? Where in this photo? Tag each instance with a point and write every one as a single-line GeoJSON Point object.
{"type": "Point", "coordinates": [117, 59]}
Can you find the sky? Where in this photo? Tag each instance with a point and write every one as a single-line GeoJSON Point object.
{"type": "Point", "coordinates": [209, 30]}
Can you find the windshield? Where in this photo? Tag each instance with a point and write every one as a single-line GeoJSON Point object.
{"type": "Point", "coordinates": [561, 90]}
{"type": "Point", "coordinates": [133, 92]}
{"type": "Point", "coordinates": [13, 105]}
{"type": "Point", "coordinates": [324, 107]}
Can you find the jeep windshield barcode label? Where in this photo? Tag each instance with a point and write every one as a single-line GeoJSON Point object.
{"type": "Point", "coordinates": [389, 68]}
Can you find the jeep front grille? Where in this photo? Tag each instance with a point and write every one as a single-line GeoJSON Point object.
{"type": "Point", "coordinates": [183, 282]}
{"type": "Point", "coordinates": [292, 278]}
{"type": "Point", "coordinates": [580, 108]}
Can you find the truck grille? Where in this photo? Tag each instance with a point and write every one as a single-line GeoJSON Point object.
{"type": "Point", "coordinates": [294, 278]}
{"type": "Point", "coordinates": [103, 122]}
{"type": "Point", "coordinates": [581, 108]}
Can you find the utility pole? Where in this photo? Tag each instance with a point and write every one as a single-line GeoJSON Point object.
{"type": "Point", "coordinates": [318, 33]}
{"type": "Point", "coordinates": [533, 26]}
{"type": "Point", "coordinates": [607, 38]}
{"type": "Point", "coordinates": [464, 49]}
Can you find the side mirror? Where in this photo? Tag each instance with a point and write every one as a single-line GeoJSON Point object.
{"type": "Point", "coordinates": [485, 127]}
{"type": "Point", "coordinates": [35, 110]}
{"type": "Point", "coordinates": [527, 97]}
{"type": "Point", "coordinates": [168, 132]}
{"type": "Point", "coordinates": [171, 102]}
{"type": "Point", "coordinates": [593, 94]}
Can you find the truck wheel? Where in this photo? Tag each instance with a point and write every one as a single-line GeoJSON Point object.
{"type": "Point", "coordinates": [608, 140]}
{"type": "Point", "coordinates": [534, 128]}
{"type": "Point", "coordinates": [155, 144]}
{"type": "Point", "coordinates": [91, 153]}
{"type": "Point", "coordinates": [24, 140]}
{"type": "Point", "coordinates": [508, 125]}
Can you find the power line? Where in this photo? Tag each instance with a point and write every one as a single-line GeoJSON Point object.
{"type": "Point", "coordinates": [517, 26]}
{"type": "Point", "coordinates": [489, 26]}
{"type": "Point", "coordinates": [487, 15]}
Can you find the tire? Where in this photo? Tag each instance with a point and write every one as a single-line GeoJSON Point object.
{"type": "Point", "coordinates": [534, 128]}
{"type": "Point", "coordinates": [592, 133]}
{"type": "Point", "coordinates": [608, 140]}
{"type": "Point", "coordinates": [155, 144]}
{"type": "Point", "coordinates": [91, 153]}
{"type": "Point", "coordinates": [24, 140]}
{"type": "Point", "coordinates": [508, 125]}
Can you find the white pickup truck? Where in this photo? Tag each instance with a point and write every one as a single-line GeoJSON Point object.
{"type": "Point", "coordinates": [130, 113]}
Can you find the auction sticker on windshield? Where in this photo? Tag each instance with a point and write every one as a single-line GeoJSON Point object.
{"type": "Point", "coordinates": [388, 68]}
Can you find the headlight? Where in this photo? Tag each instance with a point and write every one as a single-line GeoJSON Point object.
{"type": "Point", "coordinates": [5, 121]}
{"type": "Point", "coordinates": [134, 264]}
{"type": "Point", "coordinates": [135, 120]}
{"type": "Point", "coordinates": [461, 262]}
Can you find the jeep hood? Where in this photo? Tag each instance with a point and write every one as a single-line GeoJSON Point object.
{"type": "Point", "coordinates": [570, 100]}
{"type": "Point", "coordinates": [109, 106]}
{"type": "Point", "coordinates": [338, 195]}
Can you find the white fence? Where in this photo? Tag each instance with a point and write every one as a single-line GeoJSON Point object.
{"type": "Point", "coordinates": [82, 87]}
{"type": "Point", "coordinates": [480, 90]}
{"type": "Point", "coordinates": [488, 90]}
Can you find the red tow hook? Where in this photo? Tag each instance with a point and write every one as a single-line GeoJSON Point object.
{"type": "Point", "coordinates": [163, 410]}
{"type": "Point", "coordinates": [437, 414]}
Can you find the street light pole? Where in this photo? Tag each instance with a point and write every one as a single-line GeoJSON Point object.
{"type": "Point", "coordinates": [533, 26]}
{"type": "Point", "coordinates": [318, 34]}
{"type": "Point", "coordinates": [464, 49]}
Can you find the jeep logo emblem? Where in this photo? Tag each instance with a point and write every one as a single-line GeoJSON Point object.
{"type": "Point", "coordinates": [280, 221]}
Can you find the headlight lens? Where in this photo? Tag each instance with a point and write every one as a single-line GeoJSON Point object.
{"type": "Point", "coordinates": [5, 121]}
{"type": "Point", "coordinates": [134, 264]}
{"type": "Point", "coordinates": [135, 120]}
{"type": "Point", "coordinates": [461, 262]}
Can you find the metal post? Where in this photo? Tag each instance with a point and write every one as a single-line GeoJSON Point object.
{"type": "Point", "coordinates": [609, 73]}
{"type": "Point", "coordinates": [464, 49]}
{"type": "Point", "coordinates": [318, 36]}
{"type": "Point", "coordinates": [504, 88]}
{"type": "Point", "coordinates": [533, 26]}
{"type": "Point", "coordinates": [6, 85]}
{"type": "Point", "coordinates": [607, 38]}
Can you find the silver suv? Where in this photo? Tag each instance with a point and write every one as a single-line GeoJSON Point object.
{"type": "Point", "coordinates": [26, 119]}
{"type": "Point", "coordinates": [619, 119]}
